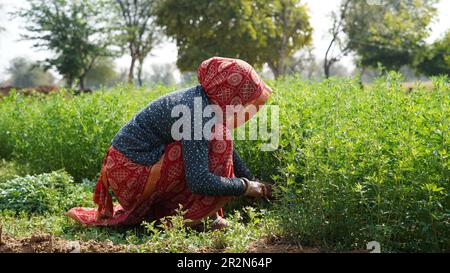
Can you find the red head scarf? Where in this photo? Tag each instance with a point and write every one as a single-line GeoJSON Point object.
{"type": "Point", "coordinates": [230, 81]}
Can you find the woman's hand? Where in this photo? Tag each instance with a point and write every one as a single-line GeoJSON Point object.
{"type": "Point", "coordinates": [257, 189]}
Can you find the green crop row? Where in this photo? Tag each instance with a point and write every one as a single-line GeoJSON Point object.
{"type": "Point", "coordinates": [356, 164]}
{"type": "Point", "coordinates": [63, 131]}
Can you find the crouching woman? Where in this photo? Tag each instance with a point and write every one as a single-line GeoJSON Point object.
{"type": "Point", "coordinates": [151, 173]}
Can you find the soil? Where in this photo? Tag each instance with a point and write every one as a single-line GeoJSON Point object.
{"type": "Point", "coordinates": [282, 246]}
{"type": "Point", "coordinates": [262, 246]}
{"type": "Point", "coordinates": [45, 243]}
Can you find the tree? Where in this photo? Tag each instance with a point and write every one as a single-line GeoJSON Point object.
{"type": "Point", "coordinates": [435, 59]}
{"type": "Point", "coordinates": [75, 31]}
{"type": "Point", "coordinates": [257, 31]}
{"type": "Point", "coordinates": [137, 31]}
{"type": "Point", "coordinates": [389, 32]}
{"type": "Point", "coordinates": [209, 28]}
{"type": "Point", "coordinates": [101, 73]}
{"type": "Point", "coordinates": [292, 31]}
{"type": "Point", "coordinates": [25, 74]}
{"type": "Point", "coordinates": [337, 31]}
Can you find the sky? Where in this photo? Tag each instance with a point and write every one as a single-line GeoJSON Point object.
{"type": "Point", "coordinates": [11, 46]}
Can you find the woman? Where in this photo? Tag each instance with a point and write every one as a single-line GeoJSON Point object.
{"type": "Point", "coordinates": [152, 174]}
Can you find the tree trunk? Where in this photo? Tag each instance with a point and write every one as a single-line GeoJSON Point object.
{"type": "Point", "coordinates": [140, 68]}
{"type": "Point", "coordinates": [82, 83]}
{"type": "Point", "coordinates": [274, 69]}
{"type": "Point", "coordinates": [131, 72]}
{"type": "Point", "coordinates": [326, 68]}
{"type": "Point", "coordinates": [326, 62]}
{"type": "Point", "coordinates": [281, 69]}
{"type": "Point", "coordinates": [363, 70]}
{"type": "Point", "coordinates": [69, 82]}
{"type": "Point", "coordinates": [281, 62]}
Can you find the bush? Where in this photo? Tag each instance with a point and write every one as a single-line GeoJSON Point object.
{"type": "Point", "coordinates": [52, 192]}
{"type": "Point", "coordinates": [357, 165]}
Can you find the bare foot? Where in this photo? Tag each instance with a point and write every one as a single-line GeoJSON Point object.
{"type": "Point", "coordinates": [220, 223]}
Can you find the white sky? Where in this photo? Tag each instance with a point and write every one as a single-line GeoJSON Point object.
{"type": "Point", "coordinates": [11, 47]}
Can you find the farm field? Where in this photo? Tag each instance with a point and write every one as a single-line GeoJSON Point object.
{"type": "Point", "coordinates": [354, 164]}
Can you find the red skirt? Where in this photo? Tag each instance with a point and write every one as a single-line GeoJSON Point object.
{"type": "Point", "coordinates": [146, 192]}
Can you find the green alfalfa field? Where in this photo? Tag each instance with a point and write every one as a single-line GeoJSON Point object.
{"type": "Point", "coordinates": [354, 164]}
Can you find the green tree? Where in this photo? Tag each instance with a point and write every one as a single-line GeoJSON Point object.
{"type": "Point", "coordinates": [74, 30]}
{"type": "Point", "coordinates": [102, 73]}
{"type": "Point", "coordinates": [388, 32]}
{"type": "Point", "coordinates": [435, 59]}
{"type": "Point", "coordinates": [24, 74]}
{"type": "Point", "coordinates": [209, 28]}
{"type": "Point", "coordinates": [137, 32]}
{"type": "Point", "coordinates": [257, 31]}
{"type": "Point", "coordinates": [288, 32]}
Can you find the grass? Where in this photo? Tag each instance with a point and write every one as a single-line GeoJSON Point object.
{"type": "Point", "coordinates": [354, 164]}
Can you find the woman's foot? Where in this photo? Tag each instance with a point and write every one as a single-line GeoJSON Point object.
{"type": "Point", "coordinates": [220, 223]}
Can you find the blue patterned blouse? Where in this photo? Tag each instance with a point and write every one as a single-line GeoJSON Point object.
{"type": "Point", "coordinates": [144, 137]}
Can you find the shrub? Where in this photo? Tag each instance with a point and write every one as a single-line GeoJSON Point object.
{"type": "Point", "coordinates": [52, 192]}
{"type": "Point", "coordinates": [357, 165]}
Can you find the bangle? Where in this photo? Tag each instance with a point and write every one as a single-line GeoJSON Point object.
{"type": "Point", "coordinates": [246, 182]}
